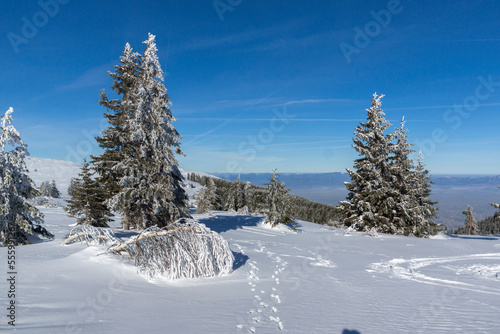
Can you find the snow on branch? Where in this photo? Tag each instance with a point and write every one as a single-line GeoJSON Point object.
{"type": "Point", "coordinates": [184, 249]}
{"type": "Point", "coordinates": [91, 235]}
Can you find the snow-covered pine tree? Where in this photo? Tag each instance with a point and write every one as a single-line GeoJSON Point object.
{"type": "Point", "coordinates": [208, 198]}
{"type": "Point", "coordinates": [236, 198]}
{"type": "Point", "coordinates": [43, 188]}
{"type": "Point", "coordinates": [426, 207]}
{"type": "Point", "coordinates": [471, 226]}
{"type": "Point", "coordinates": [150, 192]}
{"type": "Point", "coordinates": [87, 200]}
{"type": "Point", "coordinates": [54, 192]}
{"type": "Point", "coordinates": [49, 189]}
{"type": "Point", "coordinates": [72, 186]}
{"type": "Point", "coordinates": [113, 140]}
{"type": "Point", "coordinates": [405, 215]}
{"type": "Point", "coordinates": [278, 202]}
{"type": "Point", "coordinates": [18, 219]}
{"type": "Point", "coordinates": [412, 188]}
{"type": "Point", "coordinates": [371, 198]}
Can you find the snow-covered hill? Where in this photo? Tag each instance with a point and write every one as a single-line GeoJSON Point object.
{"type": "Point", "coordinates": [41, 170]}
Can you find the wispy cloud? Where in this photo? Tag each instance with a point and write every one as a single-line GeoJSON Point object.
{"type": "Point", "coordinates": [443, 106]}
{"type": "Point", "coordinates": [97, 76]}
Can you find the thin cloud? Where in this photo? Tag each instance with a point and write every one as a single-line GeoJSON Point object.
{"type": "Point", "coordinates": [97, 76]}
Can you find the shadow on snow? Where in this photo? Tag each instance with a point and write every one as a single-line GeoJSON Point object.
{"type": "Point", "coordinates": [477, 237]}
{"type": "Point", "coordinates": [221, 224]}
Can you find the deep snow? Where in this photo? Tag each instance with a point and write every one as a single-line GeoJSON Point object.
{"type": "Point", "coordinates": [313, 281]}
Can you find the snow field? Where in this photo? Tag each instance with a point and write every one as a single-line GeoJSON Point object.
{"type": "Point", "coordinates": [314, 281]}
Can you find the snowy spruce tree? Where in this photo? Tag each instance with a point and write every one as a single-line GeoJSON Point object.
{"type": "Point", "coordinates": [426, 207]}
{"type": "Point", "coordinates": [150, 191]}
{"type": "Point", "coordinates": [279, 209]}
{"type": "Point", "coordinates": [114, 140]}
{"type": "Point", "coordinates": [208, 198]}
{"type": "Point", "coordinates": [388, 192]}
{"type": "Point", "coordinates": [49, 189]}
{"type": "Point", "coordinates": [371, 198]}
{"type": "Point", "coordinates": [87, 200]}
{"type": "Point", "coordinates": [413, 208]}
{"type": "Point", "coordinates": [18, 219]}
{"type": "Point", "coordinates": [236, 197]}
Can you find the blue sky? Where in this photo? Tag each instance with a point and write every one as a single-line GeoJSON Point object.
{"type": "Point", "coordinates": [258, 85]}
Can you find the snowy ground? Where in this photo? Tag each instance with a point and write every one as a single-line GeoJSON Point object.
{"type": "Point", "coordinates": [315, 281]}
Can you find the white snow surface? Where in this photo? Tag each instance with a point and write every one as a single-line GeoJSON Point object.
{"type": "Point", "coordinates": [312, 281]}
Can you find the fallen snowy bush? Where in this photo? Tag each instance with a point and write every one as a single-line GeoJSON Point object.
{"type": "Point", "coordinates": [91, 235]}
{"type": "Point", "coordinates": [184, 249]}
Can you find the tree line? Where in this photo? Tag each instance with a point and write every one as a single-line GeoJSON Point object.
{"type": "Point", "coordinates": [257, 199]}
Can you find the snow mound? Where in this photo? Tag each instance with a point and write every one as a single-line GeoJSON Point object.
{"type": "Point", "coordinates": [184, 249]}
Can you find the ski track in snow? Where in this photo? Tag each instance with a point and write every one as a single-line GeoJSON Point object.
{"type": "Point", "coordinates": [412, 270]}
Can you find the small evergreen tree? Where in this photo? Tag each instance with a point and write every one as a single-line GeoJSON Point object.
{"type": "Point", "coordinates": [236, 198]}
{"type": "Point", "coordinates": [54, 192]}
{"type": "Point", "coordinates": [87, 200]}
{"type": "Point", "coordinates": [278, 202]}
{"type": "Point", "coordinates": [470, 225]}
{"type": "Point", "coordinates": [208, 198]}
{"type": "Point", "coordinates": [49, 189]}
{"type": "Point", "coordinates": [18, 218]}
{"type": "Point", "coordinates": [43, 188]}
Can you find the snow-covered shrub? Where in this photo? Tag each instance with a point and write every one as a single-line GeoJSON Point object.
{"type": "Point", "coordinates": [243, 211]}
{"type": "Point", "coordinates": [91, 235]}
{"type": "Point", "coordinates": [47, 202]}
{"type": "Point", "coordinates": [184, 249]}
{"type": "Point", "coordinates": [372, 232]}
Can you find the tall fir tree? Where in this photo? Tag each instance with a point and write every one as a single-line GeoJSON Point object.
{"type": "Point", "coordinates": [18, 218]}
{"type": "Point", "coordinates": [427, 207]}
{"type": "Point", "coordinates": [150, 181]}
{"type": "Point", "coordinates": [413, 208]}
{"type": "Point", "coordinates": [87, 200]}
{"type": "Point", "coordinates": [371, 199]}
{"type": "Point", "coordinates": [279, 210]}
{"type": "Point", "coordinates": [113, 140]}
